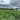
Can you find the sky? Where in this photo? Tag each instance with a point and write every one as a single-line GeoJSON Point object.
{"type": "Point", "coordinates": [13, 2]}
{"type": "Point", "coordinates": [7, 1]}
{"type": "Point", "coordinates": [4, 1]}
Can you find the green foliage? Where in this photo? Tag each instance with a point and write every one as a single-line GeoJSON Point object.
{"type": "Point", "coordinates": [9, 14]}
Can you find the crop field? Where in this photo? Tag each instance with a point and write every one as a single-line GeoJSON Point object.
{"type": "Point", "coordinates": [9, 14]}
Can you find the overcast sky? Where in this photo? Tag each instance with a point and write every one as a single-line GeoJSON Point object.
{"type": "Point", "coordinates": [7, 1]}
{"type": "Point", "coordinates": [12, 1]}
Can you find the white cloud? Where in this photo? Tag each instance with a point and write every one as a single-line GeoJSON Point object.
{"type": "Point", "coordinates": [6, 2]}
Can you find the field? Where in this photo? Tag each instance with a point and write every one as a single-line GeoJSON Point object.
{"type": "Point", "coordinates": [9, 14]}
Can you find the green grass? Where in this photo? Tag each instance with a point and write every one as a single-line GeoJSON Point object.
{"type": "Point", "coordinates": [9, 14]}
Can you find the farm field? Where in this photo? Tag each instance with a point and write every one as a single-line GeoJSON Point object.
{"type": "Point", "coordinates": [9, 14]}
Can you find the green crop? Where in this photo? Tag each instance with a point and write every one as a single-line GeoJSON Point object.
{"type": "Point", "coordinates": [9, 14]}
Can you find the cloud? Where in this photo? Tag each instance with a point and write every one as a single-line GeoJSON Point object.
{"type": "Point", "coordinates": [5, 1]}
